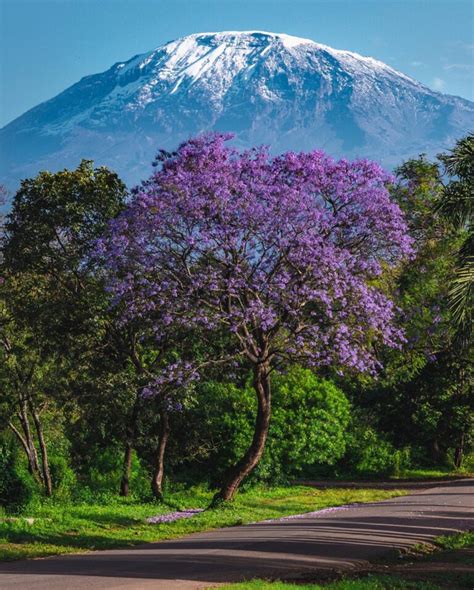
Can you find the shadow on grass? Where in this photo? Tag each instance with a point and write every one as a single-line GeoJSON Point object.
{"type": "Point", "coordinates": [71, 539]}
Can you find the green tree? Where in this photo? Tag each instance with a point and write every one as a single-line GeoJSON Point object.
{"type": "Point", "coordinates": [457, 205]}
{"type": "Point", "coordinates": [23, 372]}
{"type": "Point", "coordinates": [410, 404]}
{"type": "Point", "coordinates": [55, 310]}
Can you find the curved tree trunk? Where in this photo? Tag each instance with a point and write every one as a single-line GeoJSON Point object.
{"type": "Point", "coordinates": [159, 469]}
{"type": "Point", "coordinates": [33, 467]}
{"type": "Point", "coordinates": [48, 485]}
{"type": "Point", "coordinates": [250, 460]}
{"type": "Point", "coordinates": [30, 447]}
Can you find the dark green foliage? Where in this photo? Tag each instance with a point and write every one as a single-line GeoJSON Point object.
{"type": "Point", "coordinates": [434, 410]}
{"type": "Point", "coordinates": [423, 399]}
{"type": "Point", "coordinates": [369, 453]}
{"type": "Point", "coordinates": [17, 487]}
{"type": "Point", "coordinates": [55, 218]}
{"type": "Point", "coordinates": [457, 205]}
{"type": "Point", "coordinates": [310, 416]}
{"type": "Point", "coordinates": [51, 229]}
{"type": "Point", "coordinates": [99, 478]}
{"type": "Point", "coordinates": [51, 306]}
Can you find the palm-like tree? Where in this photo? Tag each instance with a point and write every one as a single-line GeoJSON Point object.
{"type": "Point", "coordinates": [457, 204]}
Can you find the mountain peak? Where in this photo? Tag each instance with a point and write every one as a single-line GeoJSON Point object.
{"type": "Point", "coordinates": [260, 37]}
{"type": "Point", "coordinates": [273, 88]}
{"type": "Point", "coordinates": [223, 55]}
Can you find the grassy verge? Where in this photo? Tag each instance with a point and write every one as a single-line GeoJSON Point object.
{"type": "Point", "coordinates": [54, 528]}
{"type": "Point", "coordinates": [450, 567]}
{"type": "Point", "coordinates": [431, 474]}
{"type": "Point", "coordinates": [368, 583]}
{"type": "Point", "coordinates": [410, 475]}
{"type": "Point", "coordinates": [457, 541]}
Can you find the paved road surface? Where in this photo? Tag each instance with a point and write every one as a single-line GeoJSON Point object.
{"type": "Point", "coordinates": [341, 540]}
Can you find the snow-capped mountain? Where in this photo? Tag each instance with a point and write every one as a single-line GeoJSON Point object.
{"type": "Point", "coordinates": [284, 91]}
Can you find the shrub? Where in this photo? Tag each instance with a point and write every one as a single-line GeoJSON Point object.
{"type": "Point", "coordinates": [63, 477]}
{"type": "Point", "coordinates": [368, 453]}
{"type": "Point", "coordinates": [102, 478]}
{"type": "Point", "coordinates": [17, 487]}
{"type": "Point", "coordinates": [310, 416]}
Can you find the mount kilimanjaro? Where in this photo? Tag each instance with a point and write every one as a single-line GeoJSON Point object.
{"type": "Point", "coordinates": [284, 91]}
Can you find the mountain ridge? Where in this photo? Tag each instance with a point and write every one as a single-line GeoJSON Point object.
{"type": "Point", "coordinates": [284, 91]}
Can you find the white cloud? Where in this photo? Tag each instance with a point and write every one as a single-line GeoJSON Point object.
{"type": "Point", "coordinates": [438, 83]}
{"type": "Point", "coordinates": [462, 67]}
{"type": "Point", "coordinates": [417, 64]}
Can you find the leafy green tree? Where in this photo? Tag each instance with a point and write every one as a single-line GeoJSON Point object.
{"type": "Point", "coordinates": [56, 309]}
{"type": "Point", "coordinates": [409, 404]}
{"type": "Point", "coordinates": [421, 285]}
{"type": "Point", "coordinates": [457, 205]}
{"type": "Point", "coordinates": [51, 232]}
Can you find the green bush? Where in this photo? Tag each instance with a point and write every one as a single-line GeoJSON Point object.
{"type": "Point", "coordinates": [310, 416]}
{"type": "Point", "coordinates": [468, 463]}
{"type": "Point", "coordinates": [102, 478]}
{"type": "Point", "coordinates": [63, 477]}
{"type": "Point", "coordinates": [17, 487]}
{"type": "Point", "coordinates": [309, 421]}
{"type": "Point", "coordinates": [368, 453]}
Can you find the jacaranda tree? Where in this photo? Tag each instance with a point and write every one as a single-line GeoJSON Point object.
{"type": "Point", "coordinates": [275, 255]}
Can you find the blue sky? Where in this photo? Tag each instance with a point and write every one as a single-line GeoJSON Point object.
{"type": "Point", "coordinates": [47, 45]}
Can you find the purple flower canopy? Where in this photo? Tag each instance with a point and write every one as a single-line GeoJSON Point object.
{"type": "Point", "coordinates": [280, 252]}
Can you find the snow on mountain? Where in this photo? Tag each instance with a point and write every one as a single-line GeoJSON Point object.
{"type": "Point", "coordinates": [288, 92]}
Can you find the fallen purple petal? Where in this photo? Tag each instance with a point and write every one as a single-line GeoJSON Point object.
{"type": "Point", "coordinates": [313, 514]}
{"type": "Point", "coordinates": [172, 516]}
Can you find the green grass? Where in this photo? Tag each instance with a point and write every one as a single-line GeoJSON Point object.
{"type": "Point", "coordinates": [443, 544]}
{"type": "Point", "coordinates": [409, 475]}
{"type": "Point", "coordinates": [427, 474]}
{"type": "Point", "coordinates": [372, 582]}
{"type": "Point", "coordinates": [457, 541]}
{"type": "Point", "coordinates": [67, 528]}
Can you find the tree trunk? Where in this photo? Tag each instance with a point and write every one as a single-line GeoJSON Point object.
{"type": "Point", "coordinates": [435, 452]}
{"type": "Point", "coordinates": [130, 442]}
{"type": "Point", "coordinates": [250, 460]}
{"type": "Point", "coordinates": [459, 453]}
{"type": "Point", "coordinates": [32, 460]}
{"type": "Point", "coordinates": [48, 486]}
{"type": "Point", "coordinates": [30, 447]}
{"type": "Point", "coordinates": [126, 469]}
{"type": "Point", "coordinates": [159, 470]}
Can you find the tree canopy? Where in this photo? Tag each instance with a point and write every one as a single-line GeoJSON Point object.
{"type": "Point", "coordinates": [276, 252]}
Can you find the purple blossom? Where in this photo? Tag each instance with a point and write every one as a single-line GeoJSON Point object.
{"type": "Point", "coordinates": [280, 252]}
{"type": "Point", "coordinates": [173, 516]}
{"type": "Point", "coordinates": [314, 514]}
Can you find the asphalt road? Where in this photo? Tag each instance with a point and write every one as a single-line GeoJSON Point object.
{"type": "Point", "coordinates": [341, 540]}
